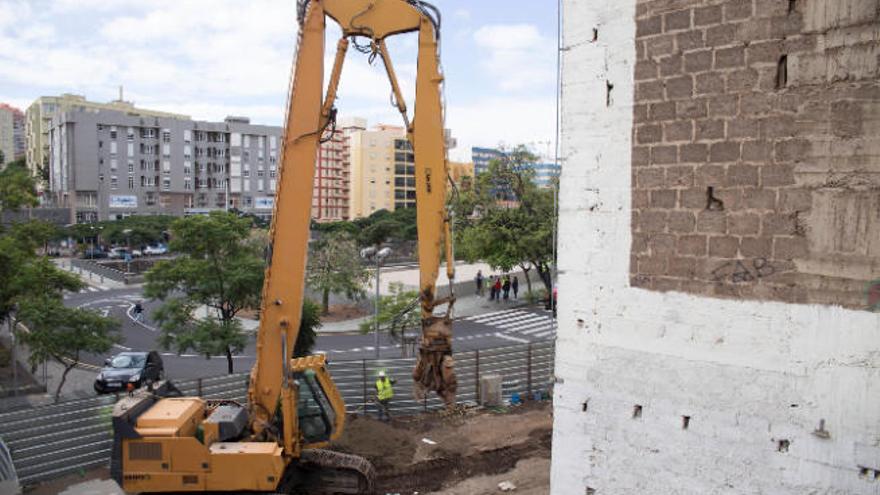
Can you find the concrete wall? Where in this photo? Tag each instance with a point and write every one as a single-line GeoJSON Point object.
{"type": "Point", "coordinates": [671, 391]}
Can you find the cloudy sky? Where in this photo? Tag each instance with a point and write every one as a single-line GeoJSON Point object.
{"type": "Point", "coordinates": [212, 58]}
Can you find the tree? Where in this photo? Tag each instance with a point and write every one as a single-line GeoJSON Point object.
{"type": "Point", "coordinates": [217, 269]}
{"type": "Point", "coordinates": [335, 267]}
{"type": "Point", "coordinates": [16, 187]}
{"type": "Point", "coordinates": [507, 220]}
{"type": "Point", "coordinates": [64, 334]}
{"type": "Point", "coordinates": [398, 313]}
{"type": "Point", "coordinates": [308, 328]}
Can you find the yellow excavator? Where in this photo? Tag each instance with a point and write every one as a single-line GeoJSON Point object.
{"type": "Point", "coordinates": [276, 443]}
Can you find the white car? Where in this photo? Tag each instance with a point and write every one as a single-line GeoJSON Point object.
{"type": "Point", "coordinates": [157, 249]}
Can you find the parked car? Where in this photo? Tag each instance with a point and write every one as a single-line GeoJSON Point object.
{"type": "Point", "coordinates": [94, 253]}
{"type": "Point", "coordinates": [129, 368]}
{"type": "Point", "coordinates": [156, 250]}
{"type": "Point", "coordinates": [120, 253]}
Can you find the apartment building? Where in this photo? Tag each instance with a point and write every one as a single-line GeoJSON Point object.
{"type": "Point", "coordinates": [11, 133]}
{"type": "Point", "coordinates": [545, 174]}
{"type": "Point", "coordinates": [404, 174]}
{"type": "Point", "coordinates": [462, 173]}
{"type": "Point", "coordinates": [331, 199]}
{"type": "Point", "coordinates": [39, 116]}
{"type": "Point", "coordinates": [372, 154]}
{"type": "Point", "coordinates": [108, 164]}
{"type": "Point", "coordinates": [482, 156]}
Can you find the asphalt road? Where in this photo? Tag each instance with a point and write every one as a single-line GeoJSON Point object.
{"type": "Point", "coordinates": [500, 327]}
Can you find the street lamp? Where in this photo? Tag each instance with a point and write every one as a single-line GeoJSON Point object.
{"type": "Point", "coordinates": [377, 255]}
{"type": "Point", "coordinates": [127, 233]}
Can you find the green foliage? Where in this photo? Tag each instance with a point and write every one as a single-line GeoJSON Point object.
{"type": "Point", "coordinates": [63, 334]}
{"type": "Point", "coordinates": [335, 267]}
{"type": "Point", "coordinates": [506, 220]}
{"type": "Point", "coordinates": [142, 230]}
{"type": "Point", "coordinates": [308, 329]}
{"type": "Point", "coordinates": [398, 312]}
{"type": "Point", "coordinates": [16, 187]}
{"type": "Point", "coordinates": [382, 226]}
{"type": "Point", "coordinates": [218, 268]}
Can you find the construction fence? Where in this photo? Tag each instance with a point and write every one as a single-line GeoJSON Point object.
{"type": "Point", "coordinates": [50, 441]}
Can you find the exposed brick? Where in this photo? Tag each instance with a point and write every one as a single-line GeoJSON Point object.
{"type": "Point", "coordinates": [792, 150]}
{"type": "Point", "coordinates": [742, 128]}
{"type": "Point", "coordinates": [724, 152]}
{"type": "Point", "coordinates": [646, 70]}
{"type": "Point", "coordinates": [663, 198]}
{"type": "Point", "coordinates": [723, 246]}
{"type": "Point", "coordinates": [689, 40]}
{"type": "Point", "coordinates": [640, 113]}
{"type": "Point", "coordinates": [692, 198]}
{"type": "Point", "coordinates": [639, 281]}
{"type": "Point", "coordinates": [778, 127]}
{"type": "Point", "coordinates": [709, 83]}
{"type": "Point", "coordinates": [649, 177]}
{"type": "Point", "coordinates": [652, 265]}
{"type": "Point", "coordinates": [707, 15]}
{"type": "Point", "coordinates": [662, 111]}
{"type": "Point", "coordinates": [846, 118]}
{"type": "Point", "coordinates": [777, 224]}
{"type": "Point", "coordinates": [649, 26]}
{"type": "Point", "coordinates": [664, 154]}
{"type": "Point", "coordinates": [731, 197]}
{"type": "Point", "coordinates": [695, 108]}
{"type": "Point", "coordinates": [660, 45]}
{"type": "Point", "coordinates": [675, 21]}
{"type": "Point", "coordinates": [788, 248]}
{"type": "Point", "coordinates": [680, 130]}
{"type": "Point", "coordinates": [670, 65]}
{"type": "Point", "coordinates": [640, 198]}
{"type": "Point", "coordinates": [698, 61]}
{"type": "Point", "coordinates": [727, 58]}
{"type": "Point", "coordinates": [712, 222]}
{"type": "Point", "coordinates": [770, 8]}
{"type": "Point", "coordinates": [649, 90]}
{"type": "Point", "coordinates": [742, 175]}
{"type": "Point", "coordinates": [681, 176]}
{"type": "Point", "coordinates": [764, 52]}
{"type": "Point", "coordinates": [652, 221]}
{"type": "Point", "coordinates": [666, 284]}
{"type": "Point", "coordinates": [640, 50]}
{"type": "Point", "coordinates": [680, 87]}
{"type": "Point", "coordinates": [661, 244]}
{"type": "Point", "coordinates": [743, 223]}
{"type": "Point", "coordinates": [691, 245]}
{"type": "Point", "coordinates": [723, 106]}
{"type": "Point", "coordinates": [755, 104]}
{"type": "Point", "coordinates": [756, 247]}
{"type": "Point", "coordinates": [649, 133]}
{"type": "Point", "coordinates": [693, 153]}
{"type": "Point", "coordinates": [761, 199]}
{"type": "Point", "coordinates": [756, 151]}
{"type": "Point", "coordinates": [641, 156]}
{"type": "Point", "coordinates": [735, 10]}
{"type": "Point", "coordinates": [779, 174]}
{"type": "Point", "coordinates": [710, 175]}
{"type": "Point", "coordinates": [709, 129]}
{"type": "Point", "coordinates": [791, 200]}
{"type": "Point", "coordinates": [742, 80]}
{"type": "Point", "coordinates": [681, 222]}
{"type": "Point", "coordinates": [640, 243]}
{"type": "Point", "coordinates": [684, 267]}
{"type": "Point", "coordinates": [720, 35]}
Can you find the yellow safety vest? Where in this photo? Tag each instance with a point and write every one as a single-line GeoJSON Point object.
{"type": "Point", "coordinates": [383, 389]}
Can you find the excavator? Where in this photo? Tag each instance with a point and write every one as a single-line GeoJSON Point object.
{"type": "Point", "coordinates": [276, 443]}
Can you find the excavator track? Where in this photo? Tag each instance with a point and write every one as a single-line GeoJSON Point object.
{"type": "Point", "coordinates": [321, 471]}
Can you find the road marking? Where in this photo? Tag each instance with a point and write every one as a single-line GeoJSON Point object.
{"type": "Point", "coordinates": [525, 323]}
{"type": "Point", "coordinates": [512, 339]}
{"type": "Point", "coordinates": [543, 334]}
{"type": "Point", "coordinates": [130, 317]}
{"type": "Point", "coordinates": [122, 347]}
{"type": "Point", "coordinates": [474, 317]}
{"type": "Point", "coordinates": [105, 312]}
{"type": "Point", "coordinates": [539, 329]}
{"type": "Point", "coordinates": [501, 317]}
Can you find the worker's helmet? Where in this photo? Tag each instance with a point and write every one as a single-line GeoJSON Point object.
{"type": "Point", "coordinates": [381, 373]}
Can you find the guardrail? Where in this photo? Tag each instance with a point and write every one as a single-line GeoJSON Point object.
{"type": "Point", "coordinates": [50, 441]}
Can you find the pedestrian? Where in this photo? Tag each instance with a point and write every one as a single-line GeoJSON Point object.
{"type": "Point", "coordinates": [506, 287]}
{"type": "Point", "coordinates": [479, 281]}
{"type": "Point", "coordinates": [384, 394]}
{"type": "Point", "coordinates": [492, 288]}
{"type": "Point", "coordinates": [497, 288]}
{"type": "Point", "coordinates": [515, 286]}
{"type": "Point", "coordinates": [138, 311]}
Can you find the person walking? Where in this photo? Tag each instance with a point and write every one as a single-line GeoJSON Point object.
{"type": "Point", "coordinates": [515, 286]}
{"type": "Point", "coordinates": [506, 287]}
{"type": "Point", "coordinates": [384, 394]}
{"type": "Point", "coordinates": [138, 311]}
{"type": "Point", "coordinates": [497, 287]}
{"type": "Point", "coordinates": [479, 281]}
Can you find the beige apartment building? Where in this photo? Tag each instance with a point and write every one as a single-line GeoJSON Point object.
{"type": "Point", "coordinates": [39, 117]}
{"type": "Point", "coordinates": [462, 173]}
{"type": "Point", "coordinates": [11, 133]}
{"type": "Point", "coordinates": [372, 169]}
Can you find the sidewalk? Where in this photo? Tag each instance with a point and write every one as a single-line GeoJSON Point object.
{"type": "Point", "coordinates": [89, 278]}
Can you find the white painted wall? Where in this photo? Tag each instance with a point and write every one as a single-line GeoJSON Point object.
{"type": "Point", "coordinates": [749, 374]}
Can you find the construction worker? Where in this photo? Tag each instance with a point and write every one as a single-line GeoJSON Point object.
{"type": "Point", "coordinates": [384, 393]}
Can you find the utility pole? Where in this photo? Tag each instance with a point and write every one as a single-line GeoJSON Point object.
{"type": "Point", "coordinates": [372, 254]}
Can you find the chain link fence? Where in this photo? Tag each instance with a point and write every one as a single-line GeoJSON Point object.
{"type": "Point", "coordinates": [50, 441]}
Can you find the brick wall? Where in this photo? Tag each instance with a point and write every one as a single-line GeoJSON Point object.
{"type": "Point", "coordinates": [756, 149]}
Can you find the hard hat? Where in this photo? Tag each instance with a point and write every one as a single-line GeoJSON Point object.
{"type": "Point", "coordinates": [381, 373]}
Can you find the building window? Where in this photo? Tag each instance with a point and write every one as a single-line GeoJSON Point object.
{"type": "Point", "coordinates": [166, 166]}
{"type": "Point", "coordinates": [114, 182]}
{"type": "Point", "coordinates": [187, 135]}
{"type": "Point", "coordinates": [113, 164]}
{"type": "Point", "coordinates": [113, 132]}
{"type": "Point", "coordinates": [166, 150]}
{"type": "Point", "coordinates": [166, 183]}
{"type": "Point", "coordinates": [187, 183]}
{"type": "Point", "coordinates": [248, 201]}
{"type": "Point", "coordinates": [130, 182]}
{"type": "Point", "coordinates": [131, 166]}
{"type": "Point", "coordinates": [187, 168]}
{"type": "Point", "coordinates": [130, 134]}
{"type": "Point", "coordinates": [166, 136]}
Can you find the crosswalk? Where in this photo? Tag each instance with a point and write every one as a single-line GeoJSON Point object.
{"type": "Point", "coordinates": [524, 325]}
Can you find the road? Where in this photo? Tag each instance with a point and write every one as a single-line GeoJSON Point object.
{"type": "Point", "coordinates": [499, 327]}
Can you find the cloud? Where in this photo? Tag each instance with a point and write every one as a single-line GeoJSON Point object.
{"type": "Point", "coordinates": [519, 56]}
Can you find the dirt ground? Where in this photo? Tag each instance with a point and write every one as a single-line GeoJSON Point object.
{"type": "Point", "coordinates": [465, 453]}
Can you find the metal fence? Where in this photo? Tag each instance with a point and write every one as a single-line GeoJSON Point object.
{"type": "Point", "coordinates": [51, 441]}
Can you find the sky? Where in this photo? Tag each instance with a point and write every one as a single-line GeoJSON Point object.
{"type": "Point", "coordinates": [213, 58]}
